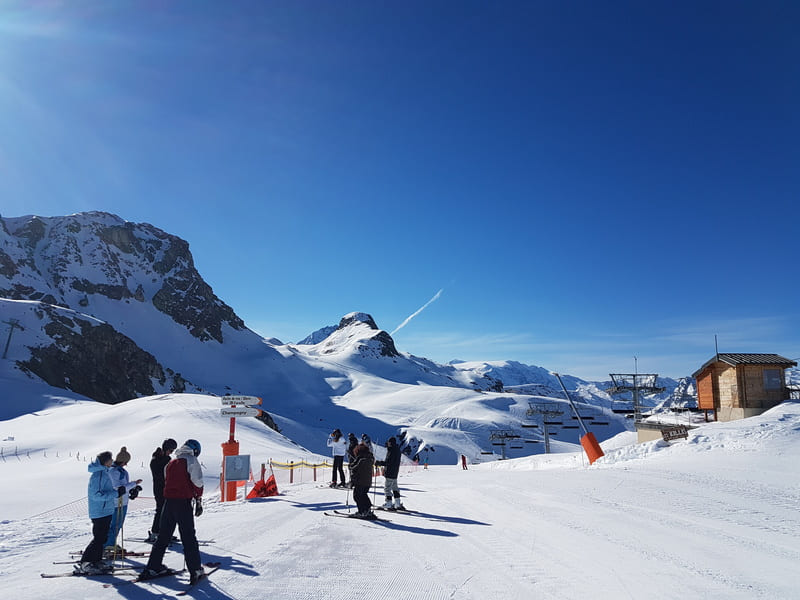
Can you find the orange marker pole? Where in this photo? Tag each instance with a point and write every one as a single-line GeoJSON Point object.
{"type": "Point", "coordinates": [229, 448]}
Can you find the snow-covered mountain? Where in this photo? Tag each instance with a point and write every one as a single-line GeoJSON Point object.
{"type": "Point", "coordinates": [111, 310]}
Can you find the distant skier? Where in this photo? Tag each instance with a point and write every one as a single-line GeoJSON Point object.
{"type": "Point", "coordinates": [119, 477]}
{"type": "Point", "coordinates": [463, 462]}
{"type": "Point", "coordinates": [103, 500]}
{"type": "Point", "coordinates": [391, 469]}
{"type": "Point", "coordinates": [338, 447]}
{"type": "Point", "coordinates": [158, 463]}
{"type": "Point", "coordinates": [183, 483]}
{"type": "Point", "coordinates": [361, 478]}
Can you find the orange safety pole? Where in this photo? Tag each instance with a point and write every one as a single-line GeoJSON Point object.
{"type": "Point", "coordinates": [229, 448]}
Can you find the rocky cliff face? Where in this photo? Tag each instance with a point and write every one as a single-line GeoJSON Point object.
{"type": "Point", "coordinates": [98, 265]}
{"type": "Point", "coordinates": [94, 360]}
{"type": "Point", "coordinates": [78, 260]}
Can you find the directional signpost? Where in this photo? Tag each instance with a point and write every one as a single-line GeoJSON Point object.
{"type": "Point", "coordinates": [240, 400]}
{"type": "Point", "coordinates": [245, 411]}
{"type": "Point", "coordinates": [237, 406]}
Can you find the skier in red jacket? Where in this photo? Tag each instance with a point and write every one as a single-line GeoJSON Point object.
{"type": "Point", "coordinates": [183, 483]}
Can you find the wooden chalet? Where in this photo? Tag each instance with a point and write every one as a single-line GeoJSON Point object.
{"type": "Point", "coordinates": [735, 386]}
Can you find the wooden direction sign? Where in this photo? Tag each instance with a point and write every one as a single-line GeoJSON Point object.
{"type": "Point", "coordinates": [240, 400]}
{"type": "Point", "coordinates": [673, 433]}
{"type": "Point", "coordinates": [244, 411]}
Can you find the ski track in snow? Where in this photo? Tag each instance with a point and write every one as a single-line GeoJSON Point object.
{"type": "Point", "coordinates": [553, 541]}
{"type": "Point", "coordinates": [647, 528]}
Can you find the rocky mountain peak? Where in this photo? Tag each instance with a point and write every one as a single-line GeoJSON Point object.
{"type": "Point", "coordinates": [357, 317]}
{"type": "Point", "coordinates": [357, 332]}
{"type": "Point", "coordinates": [81, 260]}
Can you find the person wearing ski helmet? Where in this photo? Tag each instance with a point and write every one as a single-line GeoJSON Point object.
{"type": "Point", "coordinates": [183, 485]}
{"type": "Point", "coordinates": [391, 469]}
{"type": "Point", "coordinates": [158, 463]}
{"type": "Point", "coordinates": [103, 499]}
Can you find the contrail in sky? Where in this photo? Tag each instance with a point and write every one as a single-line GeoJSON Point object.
{"type": "Point", "coordinates": [424, 306]}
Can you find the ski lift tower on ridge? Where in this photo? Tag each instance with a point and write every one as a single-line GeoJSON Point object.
{"type": "Point", "coordinates": [12, 324]}
{"type": "Point", "coordinates": [548, 411]}
{"type": "Point", "coordinates": [498, 437]}
{"type": "Point", "coordinates": [636, 383]}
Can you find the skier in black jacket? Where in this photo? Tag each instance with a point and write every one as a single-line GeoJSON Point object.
{"type": "Point", "coordinates": [391, 469]}
{"type": "Point", "coordinates": [361, 479]}
{"type": "Point", "coordinates": [352, 442]}
{"type": "Point", "coordinates": [161, 458]}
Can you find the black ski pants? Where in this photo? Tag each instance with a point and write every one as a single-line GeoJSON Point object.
{"type": "Point", "coordinates": [157, 518]}
{"type": "Point", "coordinates": [177, 511]}
{"type": "Point", "coordinates": [100, 528]}
{"type": "Point", "coordinates": [338, 465]}
{"type": "Point", "coordinates": [361, 496]}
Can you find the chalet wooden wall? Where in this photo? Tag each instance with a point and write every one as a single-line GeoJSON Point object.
{"type": "Point", "coordinates": [726, 387]}
{"type": "Point", "coordinates": [733, 385]}
{"type": "Point", "coordinates": [705, 391]}
{"type": "Point", "coordinates": [752, 384]}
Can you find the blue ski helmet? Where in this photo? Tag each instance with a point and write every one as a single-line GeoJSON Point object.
{"type": "Point", "coordinates": [194, 445]}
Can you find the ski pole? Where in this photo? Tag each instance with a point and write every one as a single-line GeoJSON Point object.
{"type": "Point", "coordinates": [374, 486]}
{"type": "Point", "coordinates": [116, 530]}
{"type": "Point", "coordinates": [121, 532]}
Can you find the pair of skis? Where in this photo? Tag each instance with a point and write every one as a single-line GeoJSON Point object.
{"type": "Point", "coordinates": [211, 567]}
{"type": "Point", "coordinates": [354, 516]}
{"type": "Point", "coordinates": [126, 554]}
{"type": "Point", "coordinates": [110, 571]}
{"type": "Point", "coordinates": [174, 540]}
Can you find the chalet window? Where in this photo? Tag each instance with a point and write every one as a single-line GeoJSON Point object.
{"type": "Point", "coordinates": [772, 379]}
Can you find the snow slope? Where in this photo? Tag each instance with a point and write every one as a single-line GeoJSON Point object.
{"type": "Point", "coordinates": [715, 516]}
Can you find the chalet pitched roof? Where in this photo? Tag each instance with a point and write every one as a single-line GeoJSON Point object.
{"type": "Point", "coordinates": [735, 359]}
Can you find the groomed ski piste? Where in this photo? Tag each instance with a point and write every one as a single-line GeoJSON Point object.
{"type": "Point", "coordinates": [714, 516]}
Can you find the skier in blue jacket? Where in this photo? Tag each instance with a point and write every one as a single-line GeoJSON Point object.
{"type": "Point", "coordinates": [103, 501]}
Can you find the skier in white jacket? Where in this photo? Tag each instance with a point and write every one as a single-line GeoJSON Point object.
{"type": "Point", "coordinates": [338, 446]}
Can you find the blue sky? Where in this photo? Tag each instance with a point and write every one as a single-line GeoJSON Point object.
{"type": "Point", "coordinates": [579, 182]}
